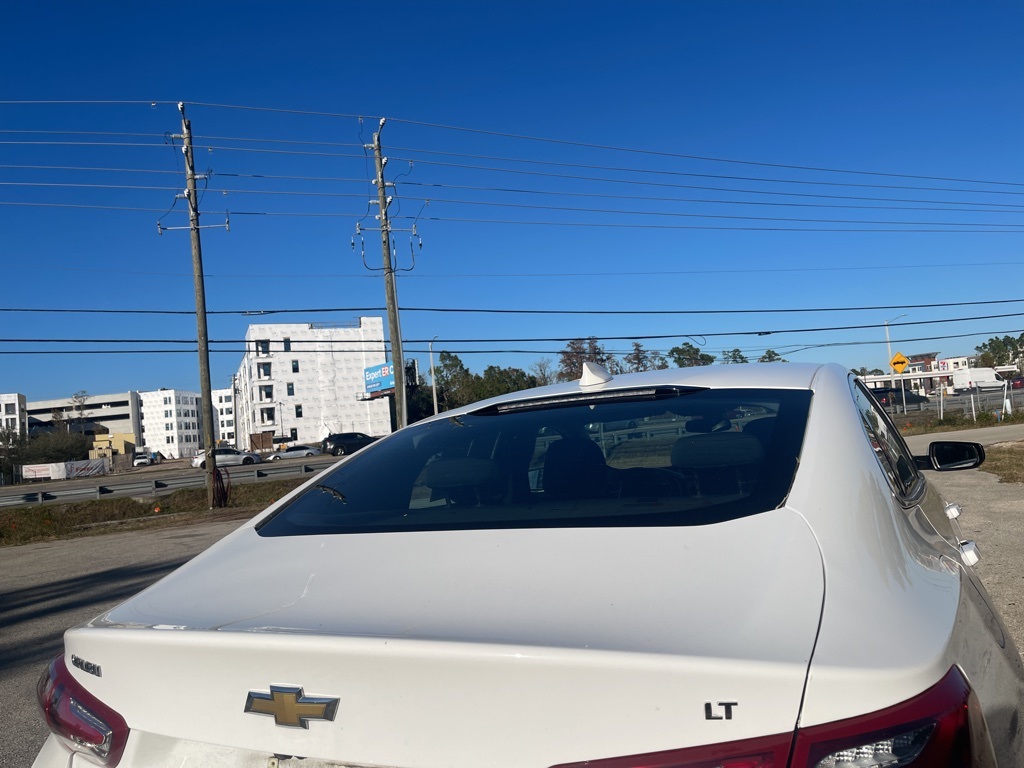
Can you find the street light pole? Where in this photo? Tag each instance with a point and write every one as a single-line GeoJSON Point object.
{"type": "Point", "coordinates": [888, 349]}
{"type": "Point", "coordinates": [433, 379]}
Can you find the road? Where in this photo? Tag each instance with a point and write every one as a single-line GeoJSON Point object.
{"type": "Point", "coordinates": [50, 586]}
{"type": "Point", "coordinates": [152, 481]}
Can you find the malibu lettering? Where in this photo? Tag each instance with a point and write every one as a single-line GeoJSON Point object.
{"type": "Point", "coordinates": [86, 666]}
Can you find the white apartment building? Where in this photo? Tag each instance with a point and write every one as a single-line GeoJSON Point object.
{"type": "Point", "coordinates": [14, 413]}
{"type": "Point", "coordinates": [171, 423]}
{"type": "Point", "coordinates": [224, 417]}
{"type": "Point", "coordinates": [299, 382]}
{"type": "Point", "coordinates": [116, 414]}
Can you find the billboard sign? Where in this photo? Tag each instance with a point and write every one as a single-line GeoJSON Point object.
{"type": "Point", "coordinates": [379, 378]}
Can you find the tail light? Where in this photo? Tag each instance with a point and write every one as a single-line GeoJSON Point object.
{"type": "Point", "coordinates": [83, 722]}
{"type": "Point", "coordinates": [942, 727]}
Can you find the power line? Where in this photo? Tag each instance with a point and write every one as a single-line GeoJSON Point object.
{"type": "Point", "coordinates": [83, 168]}
{"type": "Point", "coordinates": [509, 351]}
{"type": "Point", "coordinates": [704, 158]}
{"type": "Point", "coordinates": [546, 275]}
{"type": "Point", "coordinates": [654, 172]}
{"type": "Point", "coordinates": [538, 139]}
{"type": "Point", "coordinates": [494, 311]}
{"type": "Point", "coordinates": [966, 228]}
{"type": "Point", "coordinates": [704, 176]}
{"type": "Point", "coordinates": [756, 332]}
{"type": "Point", "coordinates": [567, 209]}
{"type": "Point", "coordinates": [976, 207]}
{"type": "Point", "coordinates": [983, 207]}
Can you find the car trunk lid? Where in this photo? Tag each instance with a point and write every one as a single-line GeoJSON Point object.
{"type": "Point", "coordinates": [511, 647]}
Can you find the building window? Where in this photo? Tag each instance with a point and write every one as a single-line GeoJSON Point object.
{"type": "Point", "coordinates": [228, 411]}
{"type": "Point", "coordinates": [262, 347]}
{"type": "Point", "coordinates": [168, 427]}
{"type": "Point", "coordinates": [227, 398]}
{"type": "Point", "coordinates": [8, 408]}
{"type": "Point", "coordinates": [294, 433]}
{"type": "Point", "coordinates": [291, 389]}
{"type": "Point", "coordinates": [287, 345]}
{"type": "Point", "coordinates": [266, 415]}
{"type": "Point", "coordinates": [263, 370]}
{"type": "Point", "coordinates": [295, 366]}
{"type": "Point", "coordinates": [167, 401]}
{"type": "Point", "coordinates": [231, 422]}
{"type": "Point", "coordinates": [298, 411]}
{"type": "Point", "coordinates": [266, 392]}
{"type": "Point", "coordinates": [231, 435]}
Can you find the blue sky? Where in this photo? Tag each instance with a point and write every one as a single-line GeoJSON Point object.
{"type": "Point", "coordinates": [613, 211]}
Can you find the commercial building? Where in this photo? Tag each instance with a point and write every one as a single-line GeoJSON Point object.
{"type": "Point", "coordinates": [171, 422]}
{"type": "Point", "coordinates": [14, 413]}
{"type": "Point", "coordinates": [224, 417]}
{"type": "Point", "coordinates": [114, 415]}
{"type": "Point", "coordinates": [299, 382]}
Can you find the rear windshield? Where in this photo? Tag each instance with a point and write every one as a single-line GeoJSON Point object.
{"type": "Point", "coordinates": [645, 458]}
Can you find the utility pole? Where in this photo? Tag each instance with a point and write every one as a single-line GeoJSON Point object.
{"type": "Point", "coordinates": [390, 294]}
{"type": "Point", "coordinates": [197, 274]}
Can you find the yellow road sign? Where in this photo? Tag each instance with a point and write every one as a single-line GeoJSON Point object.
{"type": "Point", "coordinates": [899, 362]}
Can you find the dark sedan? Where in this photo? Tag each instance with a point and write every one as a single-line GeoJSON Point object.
{"type": "Point", "coordinates": [345, 442]}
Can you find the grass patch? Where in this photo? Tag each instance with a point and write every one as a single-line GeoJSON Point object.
{"type": "Point", "coordinates": [1005, 462]}
{"type": "Point", "coordinates": [63, 521]}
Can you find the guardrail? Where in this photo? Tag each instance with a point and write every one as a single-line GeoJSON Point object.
{"type": "Point", "coordinates": [157, 486]}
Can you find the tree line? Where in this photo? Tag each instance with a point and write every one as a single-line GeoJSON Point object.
{"type": "Point", "coordinates": [458, 386]}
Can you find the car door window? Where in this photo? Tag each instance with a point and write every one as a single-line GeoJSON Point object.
{"type": "Point", "coordinates": [888, 445]}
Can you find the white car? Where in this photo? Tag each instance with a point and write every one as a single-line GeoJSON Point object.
{"type": "Point", "coordinates": [294, 452]}
{"type": "Point", "coordinates": [757, 575]}
{"type": "Point", "coordinates": [141, 460]}
{"type": "Point", "coordinates": [226, 457]}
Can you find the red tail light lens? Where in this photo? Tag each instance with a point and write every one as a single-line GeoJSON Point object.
{"type": "Point", "coordinates": [942, 726]}
{"type": "Point", "coordinates": [83, 722]}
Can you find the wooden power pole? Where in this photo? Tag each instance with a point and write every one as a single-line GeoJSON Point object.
{"type": "Point", "coordinates": [200, 288]}
{"type": "Point", "coordinates": [390, 293]}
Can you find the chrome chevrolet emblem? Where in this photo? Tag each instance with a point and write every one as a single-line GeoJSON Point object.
{"type": "Point", "coordinates": [290, 706]}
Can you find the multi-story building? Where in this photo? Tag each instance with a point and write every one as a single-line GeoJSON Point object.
{"type": "Point", "coordinates": [116, 414]}
{"type": "Point", "coordinates": [299, 382]}
{"type": "Point", "coordinates": [14, 413]}
{"type": "Point", "coordinates": [224, 416]}
{"type": "Point", "coordinates": [171, 422]}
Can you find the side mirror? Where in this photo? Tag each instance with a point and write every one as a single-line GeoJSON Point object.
{"type": "Point", "coordinates": [948, 455]}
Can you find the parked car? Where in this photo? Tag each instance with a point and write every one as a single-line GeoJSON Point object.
{"type": "Point", "coordinates": [294, 452]}
{"type": "Point", "coordinates": [1017, 382]}
{"type": "Point", "coordinates": [141, 460]}
{"type": "Point", "coordinates": [887, 396]}
{"type": "Point", "coordinates": [493, 587]}
{"type": "Point", "coordinates": [345, 442]}
{"type": "Point", "coordinates": [227, 457]}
